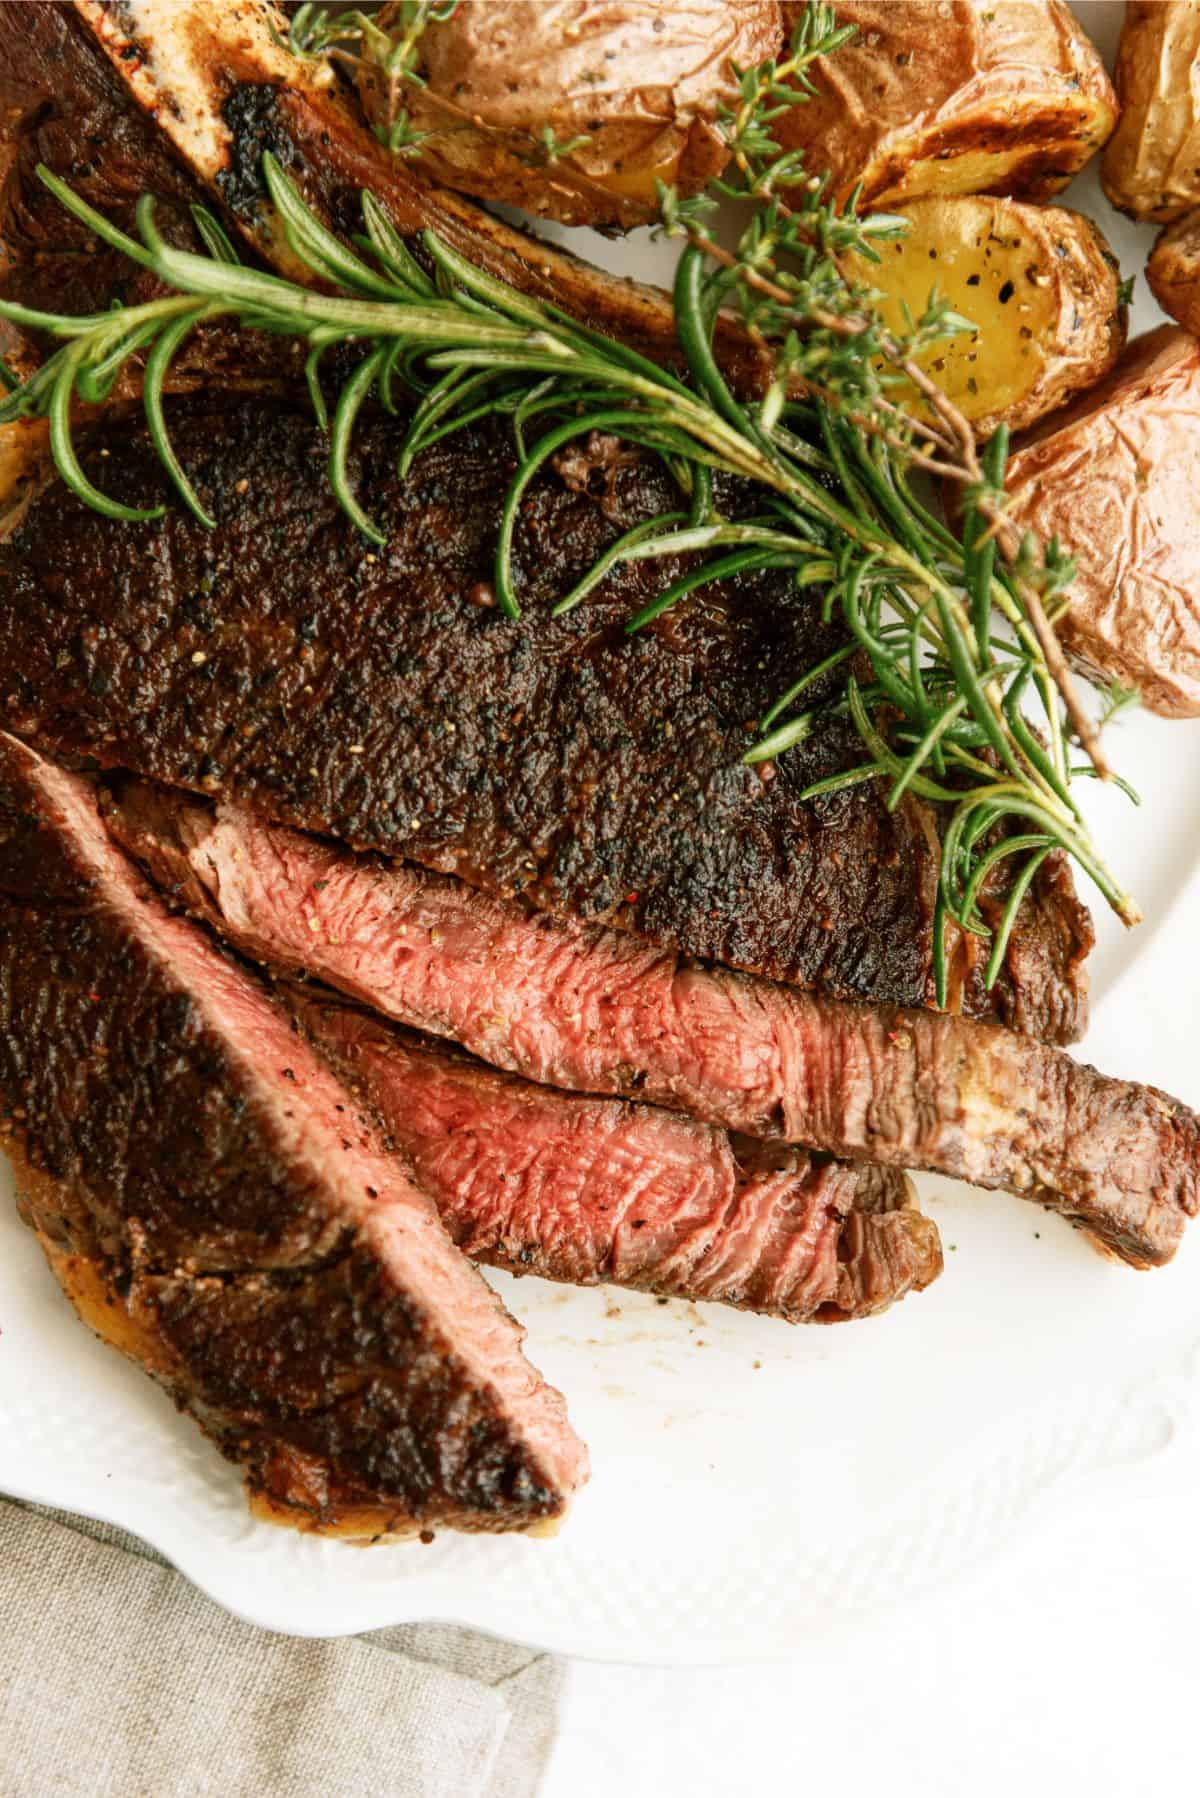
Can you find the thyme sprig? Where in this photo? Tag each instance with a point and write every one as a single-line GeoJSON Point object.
{"type": "Point", "coordinates": [788, 280]}
{"type": "Point", "coordinates": [382, 50]}
{"type": "Point", "coordinates": [384, 45]}
{"type": "Point", "coordinates": [937, 617]}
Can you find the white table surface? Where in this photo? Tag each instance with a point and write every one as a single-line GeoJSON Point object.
{"type": "Point", "coordinates": [1065, 1667]}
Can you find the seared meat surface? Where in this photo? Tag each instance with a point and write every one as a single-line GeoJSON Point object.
{"type": "Point", "coordinates": [217, 1203]}
{"type": "Point", "coordinates": [597, 1010]}
{"type": "Point", "coordinates": [582, 1189]}
{"type": "Point", "coordinates": [381, 697]}
{"type": "Point", "coordinates": [63, 106]}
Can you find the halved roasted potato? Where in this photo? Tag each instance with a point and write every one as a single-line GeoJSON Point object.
{"type": "Point", "coordinates": [952, 97]}
{"type": "Point", "coordinates": [573, 109]}
{"type": "Point", "coordinates": [1117, 479]}
{"type": "Point", "coordinates": [1152, 163]}
{"type": "Point", "coordinates": [1039, 283]}
{"type": "Point", "coordinates": [1173, 271]}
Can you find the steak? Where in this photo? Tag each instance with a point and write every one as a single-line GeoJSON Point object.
{"type": "Point", "coordinates": [64, 107]}
{"type": "Point", "coordinates": [217, 1203]}
{"type": "Point", "coordinates": [380, 696]}
{"type": "Point", "coordinates": [597, 1010]}
{"type": "Point", "coordinates": [583, 1190]}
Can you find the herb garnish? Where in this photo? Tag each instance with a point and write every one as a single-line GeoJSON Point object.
{"type": "Point", "coordinates": [953, 625]}
{"type": "Point", "coordinates": [383, 46]}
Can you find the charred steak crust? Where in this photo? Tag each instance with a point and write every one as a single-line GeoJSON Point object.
{"type": "Point", "coordinates": [380, 696]}
{"type": "Point", "coordinates": [584, 1190]}
{"type": "Point", "coordinates": [188, 1155]}
{"type": "Point", "coordinates": [63, 106]}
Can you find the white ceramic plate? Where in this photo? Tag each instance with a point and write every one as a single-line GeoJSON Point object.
{"type": "Point", "coordinates": [751, 1481]}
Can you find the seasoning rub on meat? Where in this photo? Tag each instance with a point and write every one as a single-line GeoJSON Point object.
{"type": "Point", "coordinates": [217, 1204]}
{"type": "Point", "coordinates": [381, 697]}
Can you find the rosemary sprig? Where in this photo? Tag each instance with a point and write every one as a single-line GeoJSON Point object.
{"type": "Point", "coordinates": [941, 716]}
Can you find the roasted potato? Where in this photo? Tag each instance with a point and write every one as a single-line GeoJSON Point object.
{"type": "Point", "coordinates": [952, 97]}
{"type": "Point", "coordinates": [1117, 479]}
{"type": "Point", "coordinates": [1039, 283]}
{"type": "Point", "coordinates": [1173, 271]}
{"type": "Point", "coordinates": [573, 109]}
{"type": "Point", "coordinates": [1152, 164]}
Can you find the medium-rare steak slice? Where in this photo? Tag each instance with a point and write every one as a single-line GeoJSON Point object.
{"type": "Point", "coordinates": [582, 1189]}
{"type": "Point", "coordinates": [211, 1195]}
{"type": "Point", "coordinates": [598, 1010]}
{"type": "Point", "coordinates": [380, 696]}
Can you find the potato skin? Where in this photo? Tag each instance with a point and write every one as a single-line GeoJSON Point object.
{"type": "Point", "coordinates": [1117, 478]}
{"type": "Point", "coordinates": [1152, 163]}
{"type": "Point", "coordinates": [1040, 281]}
{"type": "Point", "coordinates": [1173, 271]}
{"type": "Point", "coordinates": [954, 96]}
{"type": "Point", "coordinates": [639, 79]}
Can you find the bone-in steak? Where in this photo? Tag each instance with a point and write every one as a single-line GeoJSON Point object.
{"type": "Point", "coordinates": [65, 109]}
{"type": "Point", "coordinates": [381, 696]}
{"type": "Point", "coordinates": [582, 1189]}
{"type": "Point", "coordinates": [220, 87]}
{"type": "Point", "coordinates": [597, 1010]}
{"type": "Point", "coordinates": [215, 1202]}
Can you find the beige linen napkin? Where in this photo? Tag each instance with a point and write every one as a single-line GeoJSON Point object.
{"type": "Point", "coordinates": [118, 1680]}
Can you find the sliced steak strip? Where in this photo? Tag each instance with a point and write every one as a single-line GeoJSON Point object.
{"type": "Point", "coordinates": [583, 1190]}
{"type": "Point", "coordinates": [212, 1195]}
{"type": "Point", "coordinates": [380, 696]}
{"type": "Point", "coordinates": [596, 1010]}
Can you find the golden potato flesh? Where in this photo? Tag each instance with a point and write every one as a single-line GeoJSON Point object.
{"type": "Point", "coordinates": [1152, 164]}
{"type": "Point", "coordinates": [1117, 479]}
{"type": "Point", "coordinates": [952, 97]}
{"type": "Point", "coordinates": [1038, 283]}
{"type": "Point", "coordinates": [1173, 271]}
{"type": "Point", "coordinates": [632, 87]}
